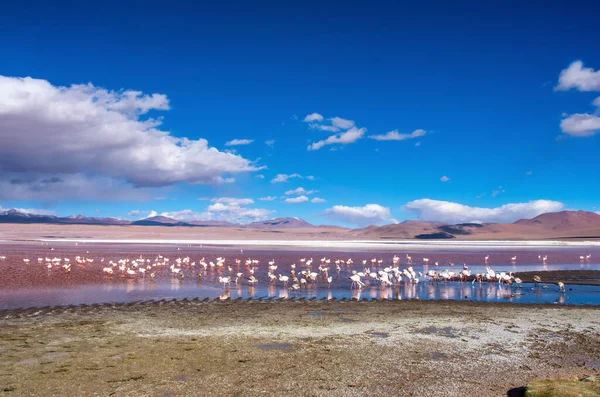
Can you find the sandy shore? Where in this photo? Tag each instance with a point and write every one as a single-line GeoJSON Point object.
{"type": "Point", "coordinates": [293, 348]}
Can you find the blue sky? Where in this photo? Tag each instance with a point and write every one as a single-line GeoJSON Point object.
{"type": "Point", "coordinates": [479, 80]}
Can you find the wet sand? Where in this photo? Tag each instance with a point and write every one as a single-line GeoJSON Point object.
{"type": "Point", "coordinates": [573, 277]}
{"type": "Point", "coordinates": [183, 348]}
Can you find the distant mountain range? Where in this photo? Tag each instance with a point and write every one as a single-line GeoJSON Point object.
{"type": "Point", "coordinates": [564, 224]}
{"type": "Point", "coordinates": [16, 216]}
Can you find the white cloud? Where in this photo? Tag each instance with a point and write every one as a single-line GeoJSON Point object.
{"type": "Point", "coordinates": [350, 136]}
{"type": "Point", "coordinates": [580, 125]}
{"type": "Point", "coordinates": [270, 142]}
{"type": "Point", "coordinates": [233, 201]}
{"type": "Point", "coordinates": [268, 198]}
{"type": "Point", "coordinates": [360, 216]}
{"type": "Point", "coordinates": [450, 212]}
{"type": "Point", "coordinates": [396, 136]}
{"type": "Point", "coordinates": [313, 117]}
{"type": "Point", "coordinates": [221, 180]}
{"type": "Point", "coordinates": [299, 191]}
{"type": "Point", "coordinates": [48, 130]}
{"type": "Point", "coordinates": [341, 123]}
{"type": "Point", "coordinates": [279, 178]}
{"type": "Point", "coordinates": [529, 173]}
{"type": "Point", "coordinates": [576, 76]}
{"type": "Point", "coordinates": [310, 178]}
{"type": "Point", "coordinates": [235, 142]}
{"type": "Point", "coordinates": [142, 214]}
{"type": "Point", "coordinates": [317, 200]}
{"type": "Point", "coordinates": [260, 176]}
{"type": "Point", "coordinates": [227, 209]}
{"type": "Point", "coordinates": [444, 179]}
{"type": "Point", "coordinates": [35, 186]}
{"type": "Point", "coordinates": [187, 215]}
{"type": "Point", "coordinates": [295, 200]}
{"type": "Point", "coordinates": [418, 144]}
{"type": "Point", "coordinates": [582, 79]}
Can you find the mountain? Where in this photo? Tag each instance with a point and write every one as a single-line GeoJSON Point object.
{"type": "Point", "coordinates": [552, 225]}
{"type": "Point", "coordinates": [555, 225]}
{"type": "Point", "coordinates": [564, 220]}
{"type": "Point", "coordinates": [212, 224]}
{"type": "Point", "coordinates": [157, 221]}
{"type": "Point", "coordinates": [405, 230]}
{"type": "Point", "coordinates": [16, 216]}
{"type": "Point", "coordinates": [288, 223]}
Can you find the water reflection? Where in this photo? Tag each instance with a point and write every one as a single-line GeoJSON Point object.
{"type": "Point", "coordinates": [136, 290]}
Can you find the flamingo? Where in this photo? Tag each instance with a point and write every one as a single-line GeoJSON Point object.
{"type": "Point", "coordinates": [356, 281]}
{"type": "Point", "coordinates": [284, 280]}
{"type": "Point", "coordinates": [225, 280]}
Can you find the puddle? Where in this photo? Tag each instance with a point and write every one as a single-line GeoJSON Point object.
{"type": "Point", "coordinates": [274, 346]}
{"type": "Point", "coordinates": [52, 356]}
{"type": "Point", "coordinates": [446, 331]}
{"type": "Point", "coordinates": [316, 314]}
{"type": "Point", "coordinates": [27, 361]}
{"type": "Point", "coordinates": [380, 334]}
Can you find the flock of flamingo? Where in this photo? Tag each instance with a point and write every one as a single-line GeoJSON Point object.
{"type": "Point", "coordinates": [307, 273]}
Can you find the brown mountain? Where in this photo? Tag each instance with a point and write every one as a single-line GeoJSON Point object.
{"type": "Point", "coordinates": [290, 223]}
{"type": "Point", "coordinates": [554, 225]}
{"type": "Point", "coordinates": [564, 220]}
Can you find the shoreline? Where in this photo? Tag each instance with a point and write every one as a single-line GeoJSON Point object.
{"type": "Point", "coordinates": [296, 348]}
{"type": "Point", "coordinates": [363, 244]}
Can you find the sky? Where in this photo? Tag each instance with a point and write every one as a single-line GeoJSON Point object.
{"type": "Point", "coordinates": [349, 114]}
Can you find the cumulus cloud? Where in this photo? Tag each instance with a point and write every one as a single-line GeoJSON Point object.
{"type": "Point", "coordinates": [361, 216]}
{"type": "Point", "coordinates": [580, 125]}
{"type": "Point", "coordinates": [578, 77]}
{"type": "Point", "coordinates": [341, 123]}
{"type": "Point", "coordinates": [347, 132]}
{"type": "Point", "coordinates": [227, 209]}
{"type": "Point", "coordinates": [444, 179]}
{"type": "Point", "coordinates": [396, 136]}
{"type": "Point", "coordinates": [280, 178]}
{"type": "Point", "coordinates": [311, 118]}
{"type": "Point", "coordinates": [86, 131]}
{"type": "Point", "coordinates": [299, 191]}
{"type": "Point", "coordinates": [30, 186]}
{"type": "Point", "coordinates": [233, 201]}
{"type": "Point", "coordinates": [582, 79]}
{"type": "Point", "coordinates": [236, 142]}
{"type": "Point", "coordinates": [295, 200]}
{"type": "Point", "coordinates": [317, 200]}
{"type": "Point", "coordinates": [350, 136]}
{"type": "Point", "coordinates": [451, 212]}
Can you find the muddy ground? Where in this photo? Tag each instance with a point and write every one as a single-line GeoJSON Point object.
{"type": "Point", "coordinates": [291, 348]}
{"type": "Point", "coordinates": [576, 277]}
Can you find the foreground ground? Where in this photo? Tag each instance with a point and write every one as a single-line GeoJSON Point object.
{"type": "Point", "coordinates": [294, 348]}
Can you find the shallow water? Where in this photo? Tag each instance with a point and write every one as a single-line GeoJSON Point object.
{"type": "Point", "coordinates": [32, 285]}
